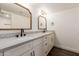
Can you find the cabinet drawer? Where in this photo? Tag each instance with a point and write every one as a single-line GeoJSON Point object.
{"type": "Point", "coordinates": [37, 41]}
{"type": "Point", "coordinates": [38, 50]}
{"type": "Point", "coordinates": [17, 51]}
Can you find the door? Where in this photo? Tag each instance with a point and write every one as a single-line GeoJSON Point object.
{"type": "Point", "coordinates": [28, 53]}
{"type": "Point", "coordinates": [38, 47]}
{"type": "Point", "coordinates": [45, 45]}
{"type": "Point", "coordinates": [38, 50]}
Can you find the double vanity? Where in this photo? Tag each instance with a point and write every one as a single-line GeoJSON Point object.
{"type": "Point", "coordinates": [17, 17]}
{"type": "Point", "coordinates": [35, 44]}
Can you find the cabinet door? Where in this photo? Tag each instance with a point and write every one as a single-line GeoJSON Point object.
{"type": "Point", "coordinates": [46, 48]}
{"type": "Point", "coordinates": [28, 53]}
{"type": "Point", "coordinates": [52, 40]}
{"type": "Point", "coordinates": [38, 51]}
{"type": "Point", "coordinates": [37, 47]}
{"type": "Point", "coordinates": [18, 51]}
{"type": "Point", "coordinates": [45, 45]}
{"type": "Point", "coordinates": [1, 54]}
{"type": "Point", "coordinates": [49, 43]}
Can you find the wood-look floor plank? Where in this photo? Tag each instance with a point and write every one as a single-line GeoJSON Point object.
{"type": "Point", "coordinates": [61, 52]}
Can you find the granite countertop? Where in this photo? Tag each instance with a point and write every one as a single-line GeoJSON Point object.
{"type": "Point", "coordinates": [9, 42]}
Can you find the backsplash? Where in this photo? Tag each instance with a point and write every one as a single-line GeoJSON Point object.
{"type": "Point", "coordinates": [13, 33]}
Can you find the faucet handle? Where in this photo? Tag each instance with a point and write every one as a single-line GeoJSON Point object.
{"type": "Point", "coordinates": [17, 35]}
{"type": "Point", "coordinates": [24, 34]}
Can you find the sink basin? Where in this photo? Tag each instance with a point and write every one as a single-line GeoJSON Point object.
{"type": "Point", "coordinates": [34, 34]}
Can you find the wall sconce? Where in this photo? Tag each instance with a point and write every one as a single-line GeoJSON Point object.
{"type": "Point", "coordinates": [43, 13]}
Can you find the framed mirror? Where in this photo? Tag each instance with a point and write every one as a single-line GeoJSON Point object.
{"type": "Point", "coordinates": [42, 23]}
{"type": "Point", "coordinates": [14, 16]}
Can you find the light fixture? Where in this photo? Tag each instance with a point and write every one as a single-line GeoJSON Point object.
{"type": "Point", "coordinates": [43, 13]}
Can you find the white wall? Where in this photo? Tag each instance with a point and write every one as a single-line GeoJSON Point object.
{"type": "Point", "coordinates": [35, 10]}
{"type": "Point", "coordinates": [67, 29]}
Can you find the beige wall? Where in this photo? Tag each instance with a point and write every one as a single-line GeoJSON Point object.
{"type": "Point", "coordinates": [67, 29]}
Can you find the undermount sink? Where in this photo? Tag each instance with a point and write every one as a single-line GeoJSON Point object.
{"type": "Point", "coordinates": [34, 34]}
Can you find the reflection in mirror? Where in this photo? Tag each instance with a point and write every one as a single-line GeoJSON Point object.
{"type": "Point", "coordinates": [14, 16]}
{"type": "Point", "coordinates": [42, 23]}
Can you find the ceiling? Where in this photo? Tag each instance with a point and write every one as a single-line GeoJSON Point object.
{"type": "Point", "coordinates": [53, 7]}
{"type": "Point", "coordinates": [56, 7]}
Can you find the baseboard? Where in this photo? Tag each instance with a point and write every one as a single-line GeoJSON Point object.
{"type": "Point", "coordinates": [67, 48]}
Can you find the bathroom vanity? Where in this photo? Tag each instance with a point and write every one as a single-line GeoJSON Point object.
{"type": "Point", "coordinates": [17, 17]}
{"type": "Point", "coordinates": [38, 44]}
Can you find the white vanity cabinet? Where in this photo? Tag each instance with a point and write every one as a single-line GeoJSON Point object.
{"type": "Point", "coordinates": [48, 43]}
{"type": "Point", "coordinates": [37, 47]}
{"type": "Point", "coordinates": [19, 50]}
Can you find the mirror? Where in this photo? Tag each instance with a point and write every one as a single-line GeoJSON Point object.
{"type": "Point", "coordinates": [42, 23]}
{"type": "Point", "coordinates": [14, 16]}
